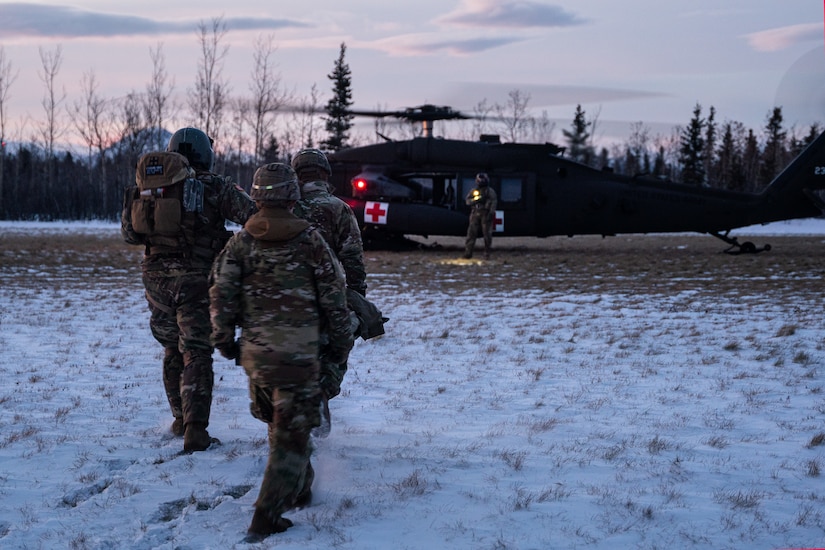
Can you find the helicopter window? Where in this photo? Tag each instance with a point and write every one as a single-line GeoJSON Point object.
{"type": "Point", "coordinates": [511, 190]}
{"type": "Point", "coordinates": [467, 185]}
{"type": "Point", "coordinates": [422, 186]}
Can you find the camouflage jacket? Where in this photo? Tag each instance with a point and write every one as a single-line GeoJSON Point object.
{"type": "Point", "coordinates": [278, 280]}
{"type": "Point", "coordinates": [339, 227]}
{"type": "Point", "coordinates": [204, 233]}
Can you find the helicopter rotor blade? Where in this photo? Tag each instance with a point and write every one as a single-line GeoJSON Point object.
{"type": "Point", "coordinates": [801, 92]}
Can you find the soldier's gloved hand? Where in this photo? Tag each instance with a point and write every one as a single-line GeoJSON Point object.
{"type": "Point", "coordinates": [362, 290]}
{"type": "Point", "coordinates": [336, 356]}
{"type": "Point", "coordinates": [230, 351]}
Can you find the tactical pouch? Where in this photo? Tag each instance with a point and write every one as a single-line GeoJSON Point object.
{"type": "Point", "coordinates": [193, 195]}
{"type": "Point", "coordinates": [158, 208]}
{"type": "Point", "coordinates": [143, 216]}
{"type": "Point", "coordinates": [260, 404]}
{"type": "Point", "coordinates": [167, 216]}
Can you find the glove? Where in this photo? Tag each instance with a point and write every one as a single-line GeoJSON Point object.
{"type": "Point", "coordinates": [336, 356]}
{"type": "Point", "coordinates": [231, 350]}
{"type": "Point", "coordinates": [362, 290]}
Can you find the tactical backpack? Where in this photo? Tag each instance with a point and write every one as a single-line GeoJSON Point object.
{"type": "Point", "coordinates": [168, 196]}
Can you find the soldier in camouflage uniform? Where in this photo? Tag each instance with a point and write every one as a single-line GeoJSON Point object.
{"type": "Point", "coordinates": [278, 280]}
{"type": "Point", "coordinates": [175, 276]}
{"type": "Point", "coordinates": [482, 201]}
{"type": "Point", "coordinates": [337, 223]}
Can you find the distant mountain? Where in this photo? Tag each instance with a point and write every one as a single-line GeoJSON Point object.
{"type": "Point", "coordinates": [146, 136]}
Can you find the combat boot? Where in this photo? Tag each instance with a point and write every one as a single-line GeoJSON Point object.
{"type": "Point", "coordinates": [178, 428]}
{"type": "Point", "coordinates": [196, 438]}
{"type": "Point", "coordinates": [304, 498]}
{"type": "Point", "coordinates": [263, 525]}
{"type": "Point", "coordinates": [323, 430]}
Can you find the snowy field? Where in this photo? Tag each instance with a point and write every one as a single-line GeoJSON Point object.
{"type": "Point", "coordinates": [538, 416]}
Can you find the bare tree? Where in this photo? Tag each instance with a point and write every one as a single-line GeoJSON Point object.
{"type": "Point", "coordinates": [94, 122]}
{"type": "Point", "coordinates": [7, 78]}
{"type": "Point", "coordinates": [637, 150]}
{"type": "Point", "coordinates": [51, 129]}
{"type": "Point", "coordinates": [667, 155]}
{"type": "Point", "coordinates": [209, 99]}
{"type": "Point", "coordinates": [594, 127]}
{"type": "Point", "coordinates": [383, 126]}
{"type": "Point", "coordinates": [241, 109]}
{"type": "Point", "coordinates": [306, 117]}
{"type": "Point", "coordinates": [541, 128]}
{"type": "Point", "coordinates": [267, 95]}
{"type": "Point", "coordinates": [480, 117]}
{"type": "Point", "coordinates": [159, 103]}
{"type": "Point", "coordinates": [514, 114]}
{"type": "Point", "coordinates": [133, 137]}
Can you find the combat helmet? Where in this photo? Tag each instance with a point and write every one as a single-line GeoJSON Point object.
{"type": "Point", "coordinates": [482, 179]}
{"type": "Point", "coordinates": [195, 145]}
{"type": "Point", "coordinates": [310, 158]}
{"type": "Point", "coordinates": [275, 182]}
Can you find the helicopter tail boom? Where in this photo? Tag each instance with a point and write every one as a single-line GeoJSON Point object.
{"type": "Point", "coordinates": [793, 193]}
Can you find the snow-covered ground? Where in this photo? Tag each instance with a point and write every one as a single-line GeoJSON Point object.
{"type": "Point", "coordinates": [481, 420]}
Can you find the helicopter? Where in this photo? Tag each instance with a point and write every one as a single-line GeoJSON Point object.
{"type": "Point", "coordinates": [417, 187]}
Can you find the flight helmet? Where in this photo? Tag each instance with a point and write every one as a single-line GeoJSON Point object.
{"type": "Point", "coordinates": [195, 145]}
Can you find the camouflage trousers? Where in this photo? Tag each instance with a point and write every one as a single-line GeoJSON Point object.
{"type": "Point", "coordinates": [481, 225]}
{"type": "Point", "coordinates": [332, 374]}
{"type": "Point", "coordinates": [289, 473]}
{"type": "Point", "coordinates": [179, 306]}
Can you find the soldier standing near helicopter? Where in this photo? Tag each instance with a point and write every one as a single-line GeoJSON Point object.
{"type": "Point", "coordinates": [482, 201]}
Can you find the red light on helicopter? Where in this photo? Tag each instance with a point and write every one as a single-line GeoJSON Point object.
{"type": "Point", "coordinates": [360, 185]}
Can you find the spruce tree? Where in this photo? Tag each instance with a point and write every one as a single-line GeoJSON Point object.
{"type": "Point", "coordinates": [730, 157]}
{"type": "Point", "coordinates": [773, 156]}
{"type": "Point", "coordinates": [339, 118]}
{"type": "Point", "coordinates": [692, 148]}
{"type": "Point", "coordinates": [750, 163]}
{"type": "Point", "coordinates": [709, 153]}
{"type": "Point", "coordinates": [578, 138]}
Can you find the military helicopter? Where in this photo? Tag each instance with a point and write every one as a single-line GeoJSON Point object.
{"type": "Point", "coordinates": [417, 187]}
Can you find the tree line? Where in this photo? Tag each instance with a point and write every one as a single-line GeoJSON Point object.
{"type": "Point", "coordinates": [702, 153]}
{"type": "Point", "coordinates": [41, 179]}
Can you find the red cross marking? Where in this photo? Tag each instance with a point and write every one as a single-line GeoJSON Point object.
{"type": "Point", "coordinates": [498, 221]}
{"type": "Point", "coordinates": [377, 212]}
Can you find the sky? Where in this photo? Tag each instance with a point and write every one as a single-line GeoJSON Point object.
{"type": "Point", "coordinates": [560, 415]}
{"type": "Point", "coordinates": [625, 62]}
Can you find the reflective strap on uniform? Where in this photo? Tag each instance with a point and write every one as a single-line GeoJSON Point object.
{"type": "Point", "coordinates": [164, 308]}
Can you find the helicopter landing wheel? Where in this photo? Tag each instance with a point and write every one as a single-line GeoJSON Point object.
{"type": "Point", "coordinates": [747, 248]}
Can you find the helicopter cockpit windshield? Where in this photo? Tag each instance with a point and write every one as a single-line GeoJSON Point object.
{"type": "Point", "coordinates": [437, 189]}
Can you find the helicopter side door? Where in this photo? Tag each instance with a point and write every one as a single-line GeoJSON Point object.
{"type": "Point", "coordinates": [516, 208]}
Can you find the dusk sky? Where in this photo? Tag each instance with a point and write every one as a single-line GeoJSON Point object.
{"type": "Point", "coordinates": [647, 61]}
